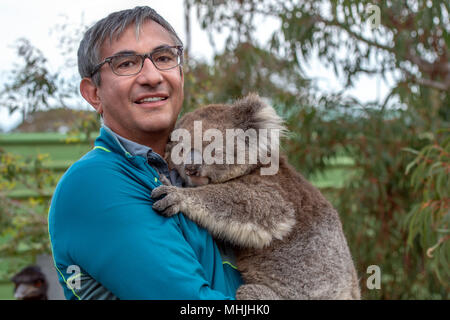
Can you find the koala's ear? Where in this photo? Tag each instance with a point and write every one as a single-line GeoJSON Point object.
{"type": "Point", "coordinates": [251, 112]}
{"type": "Point", "coordinates": [249, 104]}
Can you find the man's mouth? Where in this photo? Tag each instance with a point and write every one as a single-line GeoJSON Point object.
{"type": "Point", "coordinates": [151, 99]}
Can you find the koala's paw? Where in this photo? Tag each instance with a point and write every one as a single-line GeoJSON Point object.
{"type": "Point", "coordinates": [171, 203]}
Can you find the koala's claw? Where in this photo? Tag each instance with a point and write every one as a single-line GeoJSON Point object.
{"type": "Point", "coordinates": [170, 204]}
{"type": "Point", "coordinates": [160, 191]}
{"type": "Point", "coordinates": [170, 211]}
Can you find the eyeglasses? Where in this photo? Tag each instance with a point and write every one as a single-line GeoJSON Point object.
{"type": "Point", "coordinates": [129, 64]}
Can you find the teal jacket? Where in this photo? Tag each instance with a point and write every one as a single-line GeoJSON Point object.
{"type": "Point", "coordinates": [105, 234]}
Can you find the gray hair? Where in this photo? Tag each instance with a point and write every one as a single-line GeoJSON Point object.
{"type": "Point", "coordinates": [113, 26]}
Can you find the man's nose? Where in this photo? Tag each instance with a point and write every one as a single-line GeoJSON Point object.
{"type": "Point", "coordinates": [150, 74]}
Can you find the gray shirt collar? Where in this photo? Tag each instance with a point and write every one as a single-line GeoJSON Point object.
{"type": "Point", "coordinates": [132, 147]}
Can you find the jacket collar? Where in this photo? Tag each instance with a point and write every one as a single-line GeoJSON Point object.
{"type": "Point", "coordinates": [108, 140]}
{"type": "Point", "coordinates": [111, 141]}
{"type": "Point", "coordinates": [130, 149]}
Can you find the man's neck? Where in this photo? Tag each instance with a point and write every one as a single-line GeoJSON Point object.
{"type": "Point", "coordinates": [156, 142]}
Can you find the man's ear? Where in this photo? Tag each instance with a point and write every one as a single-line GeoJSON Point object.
{"type": "Point", "coordinates": [89, 92]}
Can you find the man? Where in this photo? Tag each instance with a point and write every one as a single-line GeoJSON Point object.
{"type": "Point", "coordinates": [106, 239]}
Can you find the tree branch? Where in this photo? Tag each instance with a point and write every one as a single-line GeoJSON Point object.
{"type": "Point", "coordinates": [336, 23]}
{"type": "Point", "coordinates": [442, 86]}
{"type": "Point", "coordinates": [432, 84]}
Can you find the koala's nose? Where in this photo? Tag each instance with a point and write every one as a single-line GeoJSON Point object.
{"type": "Point", "coordinates": [192, 169]}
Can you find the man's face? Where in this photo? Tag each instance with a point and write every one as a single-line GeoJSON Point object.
{"type": "Point", "coordinates": [121, 96]}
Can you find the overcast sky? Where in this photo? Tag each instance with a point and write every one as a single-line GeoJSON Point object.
{"type": "Point", "coordinates": [34, 20]}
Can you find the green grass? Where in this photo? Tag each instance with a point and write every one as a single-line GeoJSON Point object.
{"type": "Point", "coordinates": [34, 136]}
{"type": "Point", "coordinates": [338, 172]}
{"type": "Point", "coordinates": [55, 152]}
{"type": "Point", "coordinates": [332, 178]}
{"type": "Point", "coordinates": [51, 144]}
{"type": "Point", "coordinates": [6, 291]}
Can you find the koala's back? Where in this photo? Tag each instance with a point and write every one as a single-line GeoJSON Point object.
{"type": "Point", "coordinates": [313, 261]}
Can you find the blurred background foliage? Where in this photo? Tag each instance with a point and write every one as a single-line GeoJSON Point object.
{"type": "Point", "coordinates": [393, 197]}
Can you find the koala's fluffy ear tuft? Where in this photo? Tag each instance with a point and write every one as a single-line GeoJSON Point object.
{"type": "Point", "coordinates": [251, 112]}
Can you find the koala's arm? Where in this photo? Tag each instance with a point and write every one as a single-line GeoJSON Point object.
{"type": "Point", "coordinates": [244, 214]}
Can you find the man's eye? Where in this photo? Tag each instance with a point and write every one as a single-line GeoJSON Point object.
{"type": "Point", "coordinates": [166, 58]}
{"type": "Point", "coordinates": [126, 64]}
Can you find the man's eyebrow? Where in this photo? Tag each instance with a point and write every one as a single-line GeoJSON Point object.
{"type": "Point", "coordinates": [162, 47]}
{"type": "Point", "coordinates": [126, 52]}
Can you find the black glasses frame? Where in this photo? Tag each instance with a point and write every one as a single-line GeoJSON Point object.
{"type": "Point", "coordinates": [143, 56]}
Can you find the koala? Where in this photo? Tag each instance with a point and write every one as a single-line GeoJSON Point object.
{"type": "Point", "coordinates": [288, 238]}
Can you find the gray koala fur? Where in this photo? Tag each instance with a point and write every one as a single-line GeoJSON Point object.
{"type": "Point", "coordinates": [288, 238]}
